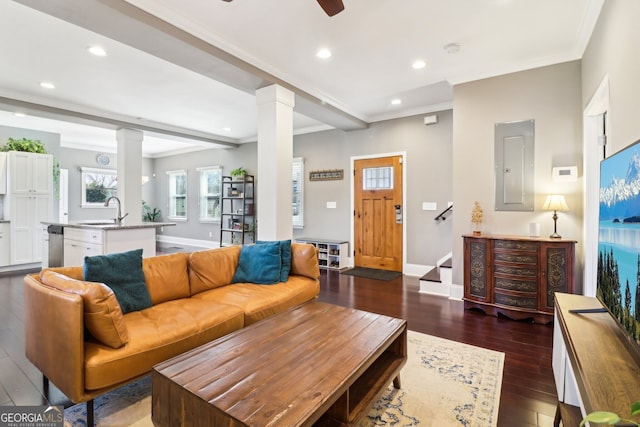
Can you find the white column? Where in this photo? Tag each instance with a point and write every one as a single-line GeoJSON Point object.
{"type": "Point", "coordinates": [130, 174]}
{"type": "Point", "coordinates": [275, 154]}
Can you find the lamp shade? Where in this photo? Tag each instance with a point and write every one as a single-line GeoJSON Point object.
{"type": "Point", "coordinates": [555, 202]}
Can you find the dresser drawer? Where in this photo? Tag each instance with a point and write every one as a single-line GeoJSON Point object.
{"type": "Point", "coordinates": [516, 257]}
{"type": "Point", "coordinates": [516, 270]}
{"type": "Point", "coordinates": [83, 235]}
{"type": "Point", "coordinates": [516, 285]}
{"type": "Point", "coordinates": [516, 301]}
{"type": "Point", "coordinates": [517, 245]}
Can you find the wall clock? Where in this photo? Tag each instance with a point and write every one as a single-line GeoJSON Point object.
{"type": "Point", "coordinates": [103, 160]}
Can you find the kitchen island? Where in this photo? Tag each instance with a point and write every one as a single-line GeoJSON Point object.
{"type": "Point", "coordinates": [89, 238]}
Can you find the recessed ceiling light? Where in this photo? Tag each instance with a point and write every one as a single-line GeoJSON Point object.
{"type": "Point", "coordinates": [451, 48]}
{"type": "Point", "coordinates": [97, 51]}
{"type": "Point", "coordinates": [324, 54]}
{"type": "Point", "coordinates": [396, 101]}
{"type": "Point", "coordinates": [47, 85]}
{"type": "Point", "coordinates": [418, 64]}
{"type": "Point", "coordinates": [17, 114]}
{"type": "Point", "coordinates": [227, 129]}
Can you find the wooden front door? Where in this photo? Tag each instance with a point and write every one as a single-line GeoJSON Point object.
{"type": "Point", "coordinates": [378, 213]}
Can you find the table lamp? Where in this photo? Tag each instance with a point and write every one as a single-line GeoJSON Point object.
{"type": "Point", "coordinates": [555, 203]}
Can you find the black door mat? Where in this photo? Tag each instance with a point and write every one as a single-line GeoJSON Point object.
{"type": "Point", "coordinates": [372, 273]}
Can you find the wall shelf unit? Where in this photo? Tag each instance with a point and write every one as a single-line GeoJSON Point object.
{"type": "Point", "coordinates": [237, 218]}
{"type": "Point", "coordinates": [332, 254]}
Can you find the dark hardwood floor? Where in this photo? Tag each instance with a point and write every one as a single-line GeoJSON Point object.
{"type": "Point", "coordinates": [528, 393]}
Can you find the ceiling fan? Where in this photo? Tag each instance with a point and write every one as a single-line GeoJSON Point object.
{"type": "Point", "coordinates": [331, 7]}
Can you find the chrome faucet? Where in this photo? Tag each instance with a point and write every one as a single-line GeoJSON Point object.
{"type": "Point", "coordinates": [120, 217]}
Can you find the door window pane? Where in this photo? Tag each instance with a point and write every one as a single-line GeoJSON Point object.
{"type": "Point", "coordinates": [380, 178]}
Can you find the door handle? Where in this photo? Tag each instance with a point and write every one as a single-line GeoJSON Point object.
{"type": "Point", "coordinates": [398, 214]}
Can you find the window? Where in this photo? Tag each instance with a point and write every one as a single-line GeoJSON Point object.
{"type": "Point", "coordinates": [210, 189]}
{"type": "Point", "coordinates": [297, 178]}
{"type": "Point", "coordinates": [380, 178]}
{"type": "Point", "coordinates": [177, 195]}
{"type": "Point", "coordinates": [97, 186]}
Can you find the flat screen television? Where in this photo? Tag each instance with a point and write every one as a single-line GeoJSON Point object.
{"type": "Point", "coordinates": [619, 238]}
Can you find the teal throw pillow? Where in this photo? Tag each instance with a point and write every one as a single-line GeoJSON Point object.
{"type": "Point", "coordinates": [258, 264]}
{"type": "Point", "coordinates": [285, 257]}
{"type": "Point", "coordinates": [123, 273]}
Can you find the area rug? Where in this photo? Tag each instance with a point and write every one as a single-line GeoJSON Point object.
{"type": "Point", "coordinates": [372, 273]}
{"type": "Point", "coordinates": [444, 383]}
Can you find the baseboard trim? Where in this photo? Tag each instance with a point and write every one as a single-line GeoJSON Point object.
{"type": "Point", "coordinates": [451, 291]}
{"type": "Point", "coordinates": [417, 269]}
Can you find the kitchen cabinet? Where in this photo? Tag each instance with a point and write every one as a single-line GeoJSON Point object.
{"type": "Point", "coordinates": [5, 259]}
{"type": "Point", "coordinates": [30, 173]}
{"type": "Point", "coordinates": [517, 276]}
{"type": "Point", "coordinates": [27, 213]}
{"type": "Point", "coordinates": [3, 173]}
{"type": "Point", "coordinates": [89, 241]}
{"type": "Point", "coordinates": [28, 203]}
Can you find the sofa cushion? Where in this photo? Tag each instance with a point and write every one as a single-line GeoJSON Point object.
{"type": "Point", "coordinates": [123, 273]}
{"type": "Point", "coordinates": [258, 264]}
{"type": "Point", "coordinates": [167, 277]}
{"type": "Point", "coordinates": [285, 257]}
{"type": "Point", "coordinates": [304, 260]}
{"type": "Point", "coordinates": [259, 301]}
{"type": "Point", "coordinates": [102, 314]}
{"type": "Point", "coordinates": [212, 268]}
{"type": "Point", "coordinates": [157, 334]}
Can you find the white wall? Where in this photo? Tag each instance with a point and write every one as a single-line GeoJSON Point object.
{"type": "Point", "coordinates": [552, 97]}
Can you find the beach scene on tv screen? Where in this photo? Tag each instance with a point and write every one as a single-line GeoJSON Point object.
{"type": "Point", "coordinates": [619, 237]}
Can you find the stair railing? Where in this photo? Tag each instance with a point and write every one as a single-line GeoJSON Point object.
{"type": "Point", "coordinates": [442, 215]}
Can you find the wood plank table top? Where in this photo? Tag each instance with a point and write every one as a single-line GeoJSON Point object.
{"type": "Point", "coordinates": [605, 363]}
{"type": "Point", "coordinates": [314, 363]}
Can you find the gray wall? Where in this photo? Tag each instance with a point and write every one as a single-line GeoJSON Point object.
{"type": "Point", "coordinates": [428, 171]}
{"type": "Point", "coordinates": [73, 159]}
{"type": "Point", "coordinates": [428, 179]}
{"type": "Point", "coordinates": [229, 159]}
{"type": "Point", "coordinates": [552, 97]}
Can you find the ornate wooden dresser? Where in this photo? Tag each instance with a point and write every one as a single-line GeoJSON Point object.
{"type": "Point", "coordinates": [517, 276]}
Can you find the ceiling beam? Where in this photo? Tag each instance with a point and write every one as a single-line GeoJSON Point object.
{"type": "Point", "coordinates": [110, 121]}
{"type": "Point", "coordinates": [128, 24]}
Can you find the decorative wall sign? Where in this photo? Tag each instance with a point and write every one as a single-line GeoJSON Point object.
{"type": "Point", "coordinates": [326, 175]}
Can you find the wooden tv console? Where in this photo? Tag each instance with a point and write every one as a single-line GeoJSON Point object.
{"type": "Point", "coordinates": [594, 364]}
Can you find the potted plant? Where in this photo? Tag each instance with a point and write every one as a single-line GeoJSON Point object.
{"type": "Point", "coordinates": [238, 172]}
{"type": "Point", "coordinates": [32, 146]}
{"type": "Point", "coordinates": [610, 418]}
{"type": "Point", "coordinates": [149, 214]}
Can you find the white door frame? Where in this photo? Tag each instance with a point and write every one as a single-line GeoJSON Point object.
{"type": "Point", "coordinates": [402, 154]}
{"type": "Point", "coordinates": [592, 154]}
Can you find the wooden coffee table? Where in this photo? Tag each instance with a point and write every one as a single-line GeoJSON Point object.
{"type": "Point", "coordinates": [314, 364]}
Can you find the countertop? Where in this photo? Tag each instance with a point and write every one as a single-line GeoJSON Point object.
{"type": "Point", "coordinates": [103, 225]}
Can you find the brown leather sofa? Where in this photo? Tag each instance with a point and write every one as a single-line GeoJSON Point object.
{"type": "Point", "coordinates": [77, 336]}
